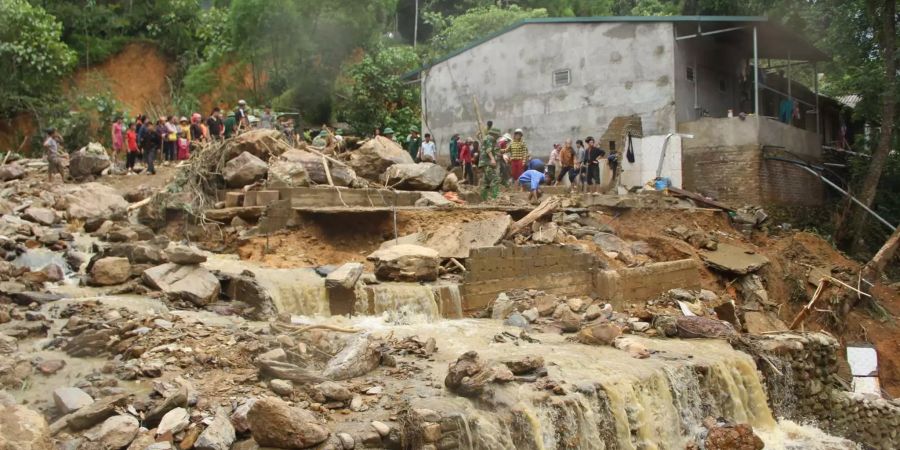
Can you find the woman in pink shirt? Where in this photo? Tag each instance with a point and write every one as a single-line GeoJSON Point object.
{"type": "Point", "coordinates": [118, 138]}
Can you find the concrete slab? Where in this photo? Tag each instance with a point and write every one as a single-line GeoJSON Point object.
{"type": "Point", "coordinates": [734, 259]}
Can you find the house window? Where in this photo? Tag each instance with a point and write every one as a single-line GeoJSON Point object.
{"type": "Point", "coordinates": [690, 74]}
{"type": "Point", "coordinates": [562, 77]}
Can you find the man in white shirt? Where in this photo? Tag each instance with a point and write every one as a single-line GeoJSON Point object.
{"type": "Point", "coordinates": [427, 151]}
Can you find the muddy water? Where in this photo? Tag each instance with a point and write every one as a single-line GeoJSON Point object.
{"type": "Point", "coordinates": [613, 400]}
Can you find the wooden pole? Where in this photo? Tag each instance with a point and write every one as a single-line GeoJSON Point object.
{"type": "Point", "coordinates": [806, 309]}
{"type": "Point", "coordinates": [546, 206]}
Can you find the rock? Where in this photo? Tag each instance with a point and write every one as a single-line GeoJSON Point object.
{"type": "Point", "coordinates": [173, 421]}
{"type": "Point", "coordinates": [183, 254]}
{"type": "Point", "coordinates": [415, 177]}
{"type": "Point", "coordinates": [599, 334]}
{"type": "Point", "coordinates": [382, 428]}
{"type": "Point", "coordinates": [524, 365]}
{"type": "Point", "coordinates": [753, 290]}
{"type": "Point", "coordinates": [429, 198]}
{"type": "Point", "coordinates": [274, 423]}
{"type": "Point", "coordinates": [53, 273]}
{"type": "Point", "coordinates": [95, 413]}
{"type": "Point", "coordinates": [259, 142]}
{"type": "Point", "coordinates": [91, 201]}
{"type": "Point", "coordinates": [666, 325]}
{"type": "Point", "coordinates": [347, 441]}
{"type": "Point", "coordinates": [243, 170]}
{"type": "Point", "coordinates": [516, 320]}
{"type": "Point", "coordinates": [451, 183]}
{"type": "Point", "coordinates": [87, 163]}
{"type": "Point", "coordinates": [137, 253]}
{"type": "Point", "coordinates": [640, 326]}
{"type": "Point", "coordinates": [22, 428]}
{"type": "Point", "coordinates": [283, 172]}
{"type": "Point", "coordinates": [219, 435]}
{"type": "Point", "coordinates": [13, 171]}
{"type": "Point", "coordinates": [569, 321]}
{"type": "Point", "coordinates": [110, 271]}
{"type": "Point", "coordinates": [727, 312]}
{"type": "Point", "coordinates": [469, 375]}
{"type": "Point", "coordinates": [546, 304]}
{"type": "Point", "coordinates": [51, 366]}
{"type": "Point", "coordinates": [276, 354]}
{"type": "Point", "coordinates": [703, 327]}
{"type": "Point", "coordinates": [42, 216]}
{"type": "Point", "coordinates": [359, 357]}
{"type": "Point", "coordinates": [281, 387]}
{"type": "Point", "coordinates": [458, 240]}
{"type": "Point", "coordinates": [406, 262]}
{"type": "Point", "coordinates": [192, 283]}
{"type": "Point", "coordinates": [593, 312]}
{"type": "Point", "coordinates": [70, 399]}
{"type": "Point", "coordinates": [610, 243]}
{"type": "Point", "coordinates": [334, 391]}
{"type": "Point", "coordinates": [375, 155]}
{"type": "Point", "coordinates": [531, 314]}
{"type": "Point", "coordinates": [239, 416]}
{"type": "Point", "coordinates": [117, 431]}
{"type": "Point", "coordinates": [344, 276]}
{"type": "Point", "coordinates": [634, 348]}
{"type": "Point", "coordinates": [144, 439]}
{"type": "Point", "coordinates": [708, 296]}
{"type": "Point", "coordinates": [759, 322]}
{"type": "Point", "coordinates": [575, 304]}
{"type": "Point", "coordinates": [315, 168]}
{"type": "Point", "coordinates": [545, 233]}
{"type": "Point", "coordinates": [736, 437]}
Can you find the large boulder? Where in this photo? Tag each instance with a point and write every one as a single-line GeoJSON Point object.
{"type": "Point", "coordinates": [314, 165]}
{"type": "Point", "coordinates": [110, 271]}
{"type": "Point", "coordinates": [116, 432]}
{"type": "Point", "coordinates": [22, 428]}
{"type": "Point", "coordinates": [90, 161]}
{"type": "Point", "coordinates": [415, 177]}
{"type": "Point", "coordinates": [244, 169]}
{"type": "Point", "coordinates": [274, 423]}
{"type": "Point", "coordinates": [359, 357]}
{"type": "Point", "coordinates": [703, 327]}
{"type": "Point", "coordinates": [91, 201]}
{"type": "Point", "coordinates": [42, 216]}
{"type": "Point", "coordinates": [262, 143]}
{"type": "Point", "coordinates": [458, 240]}
{"type": "Point", "coordinates": [219, 435]}
{"type": "Point", "coordinates": [192, 283]}
{"type": "Point", "coordinates": [11, 172]}
{"type": "Point", "coordinates": [376, 155]}
{"type": "Point", "coordinates": [406, 262]}
{"type": "Point", "coordinates": [284, 172]}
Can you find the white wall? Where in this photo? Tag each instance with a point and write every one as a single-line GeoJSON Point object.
{"type": "Point", "coordinates": [616, 69]}
{"type": "Point", "coordinates": [647, 152]}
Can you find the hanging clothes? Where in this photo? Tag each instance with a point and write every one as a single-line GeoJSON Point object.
{"type": "Point", "coordinates": [786, 110]}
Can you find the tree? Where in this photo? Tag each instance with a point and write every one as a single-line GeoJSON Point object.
{"type": "Point", "coordinates": [32, 57]}
{"type": "Point", "coordinates": [453, 33]}
{"type": "Point", "coordinates": [882, 19]}
{"type": "Point", "coordinates": [377, 96]}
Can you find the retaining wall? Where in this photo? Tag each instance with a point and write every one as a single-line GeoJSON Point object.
{"type": "Point", "coordinates": [638, 284]}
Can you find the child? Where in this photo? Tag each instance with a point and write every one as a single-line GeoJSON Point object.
{"type": "Point", "coordinates": [532, 180]}
{"type": "Point", "coordinates": [184, 146]}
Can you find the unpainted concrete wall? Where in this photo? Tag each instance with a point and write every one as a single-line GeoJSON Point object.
{"type": "Point", "coordinates": [616, 69]}
{"type": "Point", "coordinates": [638, 284]}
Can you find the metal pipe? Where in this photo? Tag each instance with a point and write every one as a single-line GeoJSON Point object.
{"type": "Point", "coordinates": [818, 116]}
{"type": "Point", "coordinates": [755, 74]}
{"type": "Point", "coordinates": [789, 74]}
{"type": "Point", "coordinates": [837, 188]}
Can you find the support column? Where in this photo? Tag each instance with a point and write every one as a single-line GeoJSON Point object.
{"type": "Point", "coordinates": [755, 74]}
{"type": "Point", "coordinates": [818, 116]}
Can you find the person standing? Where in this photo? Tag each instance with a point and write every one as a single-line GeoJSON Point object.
{"type": "Point", "coordinates": [132, 148]}
{"type": "Point", "coordinates": [580, 168]}
{"type": "Point", "coordinates": [518, 154]}
{"type": "Point", "coordinates": [593, 155]}
{"type": "Point", "coordinates": [465, 160]}
{"type": "Point", "coordinates": [214, 124]}
{"type": "Point", "coordinates": [242, 120]}
{"type": "Point", "coordinates": [266, 120]}
{"type": "Point", "coordinates": [413, 143]}
{"type": "Point", "coordinates": [54, 155]}
{"type": "Point", "coordinates": [427, 151]}
{"type": "Point", "coordinates": [389, 133]}
{"type": "Point", "coordinates": [567, 162]}
{"type": "Point", "coordinates": [553, 162]}
{"type": "Point", "coordinates": [454, 151]}
{"type": "Point", "coordinates": [488, 162]}
{"type": "Point", "coordinates": [118, 139]}
{"type": "Point", "coordinates": [198, 135]}
{"type": "Point", "coordinates": [150, 144]}
{"type": "Point", "coordinates": [171, 139]}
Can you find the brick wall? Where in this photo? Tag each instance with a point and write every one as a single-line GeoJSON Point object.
{"type": "Point", "coordinates": [618, 129]}
{"type": "Point", "coordinates": [786, 184]}
{"type": "Point", "coordinates": [639, 284]}
{"type": "Point", "coordinates": [731, 174]}
{"type": "Point", "coordinates": [561, 270]}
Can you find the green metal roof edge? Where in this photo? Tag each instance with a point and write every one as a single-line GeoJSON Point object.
{"type": "Point", "coordinates": [589, 19]}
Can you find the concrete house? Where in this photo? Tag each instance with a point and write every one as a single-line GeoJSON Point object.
{"type": "Point", "coordinates": [649, 77]}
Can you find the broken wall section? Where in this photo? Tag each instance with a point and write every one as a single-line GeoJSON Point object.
{"type": "Point", "coordinates": [801, 378]}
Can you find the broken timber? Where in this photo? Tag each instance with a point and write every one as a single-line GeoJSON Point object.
{"type": "Point", "coordinates": [546, 207]}
{"type": "Point", "coordinates": [699, 198]}
{"type": "Point", "coordinates": [812, 302]}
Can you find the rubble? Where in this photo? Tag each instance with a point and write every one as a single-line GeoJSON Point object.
{"type": "Point", "coordinates": [187, 282]}
{"type": "Point", "coordinates": [70, 399]}
{"type": "Point", "coordinates": [22, 428]}
{"type": "Point", "coordinates": [730, 258]}
{"type": "Point", "coordinates": [244, 169]}
{"type": "Point", "coordinates": [470, 376]}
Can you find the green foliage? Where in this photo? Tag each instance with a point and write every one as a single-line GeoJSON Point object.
{"type": "Point", "coordinates": [454, 33]}
{"type": "Point", "coordinates": [377, 96]}
{"type": "Point", "coordinates": [32, 57]}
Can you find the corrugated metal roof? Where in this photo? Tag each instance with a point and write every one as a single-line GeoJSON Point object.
{"type": "Point", "coordinates": [782, 33]}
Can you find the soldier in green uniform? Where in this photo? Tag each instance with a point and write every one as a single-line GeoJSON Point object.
{"type": "Point", "coordinates": [487, 162]}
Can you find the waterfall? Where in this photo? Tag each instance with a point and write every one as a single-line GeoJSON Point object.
{"type": "Point", "coordinates": [404, 303]}
{"type": "Point", "coordinates": [295, 291]}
